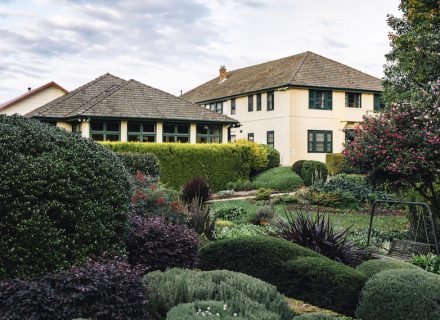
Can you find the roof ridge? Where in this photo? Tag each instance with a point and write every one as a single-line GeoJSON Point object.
{"type": "Point", "coordinates": [72, 93]}
{"type": "Point", "coordinates": [300, 65]}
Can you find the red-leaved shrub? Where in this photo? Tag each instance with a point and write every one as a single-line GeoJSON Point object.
{"type": "Point", "coordinates": [157, 245]}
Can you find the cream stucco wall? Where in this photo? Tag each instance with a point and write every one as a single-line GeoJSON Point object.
{"type": "Point", "coordinates": [64, 125]}
{"type": "Point", "coordinates": [34, 101]}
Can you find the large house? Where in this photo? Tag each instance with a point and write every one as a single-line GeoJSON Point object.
{"type": "Point", "coordinates": [304, 105]}
{"type": "Point", "coordinates": [32, 99]}
{"type": "Point", "coordinates": [113, 109]}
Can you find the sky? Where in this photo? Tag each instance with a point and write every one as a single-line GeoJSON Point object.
{"type": "Point", "coordinates": [177, 45]}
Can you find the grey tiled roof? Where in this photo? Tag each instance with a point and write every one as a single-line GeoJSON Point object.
{"type": "Point", "coordinates": [305, 69]}
{"type": "Point", "coordinates": [110, 96]}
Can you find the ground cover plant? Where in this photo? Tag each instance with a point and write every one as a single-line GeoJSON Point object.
{"type": "Point", "coordinates": [63, 198]}
{"type": "Point", "coordinates": [429, 262]}
{"type": "Point", "coordinates": [280, 179]}
{"type": "Point", "coordinates": [248, 297]}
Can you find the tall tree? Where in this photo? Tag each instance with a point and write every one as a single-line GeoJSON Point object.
{"type": "Point", "coordinates": [414, 60]}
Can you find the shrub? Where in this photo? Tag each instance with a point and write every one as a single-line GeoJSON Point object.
{"type": "Point", "coordinates": [247, 296]}
{"type": "Point", "coordinates": [146, 163]}
{"type": "Point", "coordinates": [208, 309]}
{"type": "Point", "coordinates": [336, 163]}
{"type": "Point", "coordinates": [200, 218]}
{"type": "Point", "coordinates": [179, 162]}
{"type": "Point", "coordinates": [274, 266]}
{"type": "Point", "coordinates": [280, 179]}
{"type": "Point", "coordinates": [259, 156]}
{"type": "Point", "coordinates": [240, 185]}
{"type": "Point", "coordinates": [313, 171]}
{"type": "Point", "coordinates": [371, 267]}
{"type": "Point", "coordinates": [110, 290]}
{"type": "Point", "coordinates": [62, 198]}
{"type": "Point", "coordinates": [297, 166]}
{"type": "Point", "coordinates": [264, 213]}
{"type": "Point", "coordinates": [334, 199]}
{"type": "Point", "coordinates": [273, 157]}
{"type": "Point", "coordinates": [198, 188]}
{"type": "Point", "coordinates": [263, 194]}
{"type": "Point", "coordinates": [156, 245]}
{"type": "Point", "coordinates": [285, 199]}
{"type": "Point", "coordinates": [429, 262]}
{"type": "Point", "coordinates": [231, 213]}
{"type": "Point", "coordinates": [399, 295]}
{"type": "Point", "coordinates": [316, 316]}
{"type": "Point", "coordinates": [316, 233]}
{"type": "Point", "coordinates": [238, 231]}
{"type": "Point", "coordinates": [322, 282]}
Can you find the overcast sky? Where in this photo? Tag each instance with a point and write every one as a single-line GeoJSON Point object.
{"type": "Point", "coordinates": [178, 44]}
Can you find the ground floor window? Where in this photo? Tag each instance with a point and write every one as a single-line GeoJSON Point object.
{"type": "Point", "coordinates": [105, 130]}
{"type": "Point", "coordinates": [141, 131]}
{"type": "Point", "coordinates": [251, 137]}
{"type": "Point", "coordinates": [76, 127]}
{"type": "Point", "coordinates": [270, 141]}
{"type": "Point", "coordinates": [209, 133]}
{"type": "Point", "coordinates": [349, 135]}
{"type": "Point", "coordinates": [320, 141]}
{"type": "Point", "coordinates": [176, 132]}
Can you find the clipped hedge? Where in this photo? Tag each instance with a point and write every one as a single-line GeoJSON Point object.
{"type": "Point", "coordinates": [62, 198]}
{"type": "Point", "coordinates": [146, 163]}
{"type": "Point", "coordinates": [280, 179]}
{"type": "Point", "coordinates": [238, 293]}
{"type": "Point", "coordinates": [273, 157]}
{"type": "Point", "coordinates": [336, 163]}
{"type": "Point", "coordinates": [208, 309]}
{"type": "Point", "coordinates": [296, 271]}
{"type": "Point", "coordinates": [400, 295]}
{"type": "Point", "coordinates": [179, 163]}
{"type": "Point", "coordinates": [312, 170]}
{"type": "Point", "coordinates": [297, 166]}
{"type": "Point", "coordinates": [371, 267]}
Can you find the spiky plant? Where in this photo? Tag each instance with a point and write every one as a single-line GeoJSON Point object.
{"type": "Point", "coordinates": [200, 218]}
{"type": "Point", "coordinates": [197, 187]}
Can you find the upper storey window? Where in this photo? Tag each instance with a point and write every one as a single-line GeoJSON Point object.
{"type": "Point", "coordinates": [353, 100]}
{"type": "Point", "coordinates": [320, 99]}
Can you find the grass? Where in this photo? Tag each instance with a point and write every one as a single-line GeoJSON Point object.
{"type": "Point", "coordinates": [339, 220]}
{"type": "Point", "coordinates": [280, 179]}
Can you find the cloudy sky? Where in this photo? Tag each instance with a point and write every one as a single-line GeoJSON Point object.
{"type": "Point", "coordinates": [178, 44]}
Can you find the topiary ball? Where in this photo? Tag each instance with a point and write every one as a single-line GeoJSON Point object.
{"type": "Point", "coordinates": [371, 267]}
{"type": "Point", "coordinates": [63, 198]}
{"type": "Point", "coordinates": [400, 295]}
{"type": "Point", "coordinates": [315, 316]}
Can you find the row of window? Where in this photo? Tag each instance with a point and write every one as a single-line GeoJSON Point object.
{"type": "Point", "coordinates": [323, 99]}
{"type": "Point", "coordinates": [146, 132]}
{"type": "Point", "coordinates": [270, 102]}
{"type": "Point", "coordinates": [270, 138]}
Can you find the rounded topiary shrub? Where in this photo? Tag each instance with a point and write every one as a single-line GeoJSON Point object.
{"type": "Point", "coordinates": [400, 295]}
{"type": "Point", "coordinates": [157, 245]}
{"type": "Point", "coordinates": [312, 171]}
{"type": "Point", "coordinates": [237, 293]}
{"type": "Point", "coordinates": [280, 179]}
{"type": "Point", "coordinates": [206, 309]}
{"type": "Point", "coordinates": [297, 166]}
{"type": "Point", "coordinates": [147, 163]}
{"type": "Point", "coordinates": [323, 282]}
{"type": "Point", "coordinates": [371, 267]}
{"type": "Point", "coordinates": [62, 198]}
{"type": "Point", "coordinates": [316, 316]}
{"type": "Point", "coordinates": [273, 157]}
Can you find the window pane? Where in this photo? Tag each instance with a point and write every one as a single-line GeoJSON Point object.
{"type": "Point", "coordinates": [310, 136]}
{"type": "Point", "coordinates": [134, 127]}
{"type": "Point", "coordinates": [134, 138]}
{"type": "Point", "coordinates": [169, 139]}
{"type": "Point", "coordinates": [112, 126]}
{"type": "Point", "coordinates": [319, 146]}
{"type": "Point", "coordinates": [319, 137]}
{"type": "Point", "coordinates": [168, 128]}
{"type": "Point", "coordinates": [182, 128]}
{"type": "Point", "coordinates": [112, 137]}
{"type": "Point", "coordinates": [148, 138]}
{"type": "Point", "coordinates": [202, 129]}
{"type": "Point", "coordinates": [310, 146]}
{"type": "Point", "coordinates": [148, 127]}
{"type": "Point", "coordinates": [201, 139]}
{"type": "Point", "coordinates": [215, 139]}
{"type": "Point", "coordinates": [215, 130]}
{"type": "Point", "coordinates": [329, 137]}
{"type": "Point", "coordinates": [183, 139]}
{"type": "Point", "coordinates": [97, 125]}
{"type": "Point", "coordinates": [98, 137]}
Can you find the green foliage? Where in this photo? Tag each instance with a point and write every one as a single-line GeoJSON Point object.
{"type": "Point", "coordinates": [259, 154]}
{"type": "Point", "coordinates": [179, 162]}
{"type": "Point", "coordinates": [313, 171]}
{"type": "Point", "coordinates": [249, 297]}
{"type": "Point", "coordinates": [146, 163]}
{"type": "Point", "coordinates": [429, 262]}
{"type": "Point", "coordinates": [297, 166]}
{"type": "Point", "coordinates": [280, 179]}
{"type": "Point", "coordinates": [273, 157]}
{"type": "Point", "coordinates": [208, 309]}
{"type": "Point", "coordinates": [371, 267]}
{"type": "Point", "coordinates": [198, 188]}
{"type": "Point", "coordinates": [400, 295]}
{"type": "Point", "coordinates": [336, 163]}
{"type": "Point", "coordinates": [316, 316]}
{"type": "Point", "coordinates": [265, 213]}
{"type": "Point", "coordinates": [62, 198]}
{"type": "Point", "coordinates": [231, 213]}
{"type": "Point", "coordinates": [263, 194]}
{"type": "Point", "coordinates": [200, 218]}
{"type": "Point", "coordinates": [285, 199]}
{"type": "Point", "coordinates": [322, 282]}
{"type": "Point", "coordinates": [240, 185]}
{"type": "Point", "coordinates": [320, 275]}
{"type": "Point", "coordinates": [239, 231]}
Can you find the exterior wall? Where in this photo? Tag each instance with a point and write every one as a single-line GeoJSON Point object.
{"type": "Point", "coordinates": [64, 125]}
{"type": "Point", "coordinates": [34, 101]}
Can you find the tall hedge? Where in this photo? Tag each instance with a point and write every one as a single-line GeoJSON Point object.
{"type": "Point", "coordinates": [218, 163]}
{"type": "Point", "coordinates": [336, 163]}
{"type": "Point", "coordinates": [62, 198]}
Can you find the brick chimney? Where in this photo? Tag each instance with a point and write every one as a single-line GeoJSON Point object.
{"type": "Point", "coordinates": [222, 73]}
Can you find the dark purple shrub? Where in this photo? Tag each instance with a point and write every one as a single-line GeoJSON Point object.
{"type": "Point", "coordinates": [157, 245]}
{"type": "Point", "coordinates": [197, 187]}
{"type": "Point", "coordinates": [110, 290]}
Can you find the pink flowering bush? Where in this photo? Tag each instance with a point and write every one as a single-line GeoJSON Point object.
{"type": "Point", "coordinates": [402, 146]}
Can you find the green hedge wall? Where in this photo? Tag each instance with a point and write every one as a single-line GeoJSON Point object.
{"type": "Point", "coordinates": [218, 163]}
{"type": "Point", "coordinates": [336, 163]}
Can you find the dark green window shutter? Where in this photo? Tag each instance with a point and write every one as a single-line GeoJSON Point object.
{"type": "Point", "coordinates": [312, 99]}
{"type": "Point", "coordinates": [328, 103]}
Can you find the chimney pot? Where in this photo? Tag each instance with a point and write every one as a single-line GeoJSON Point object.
{"type": "Point", "coordinates": [29, 88]}
{"type": "Point", "coordinates": [222, 73]}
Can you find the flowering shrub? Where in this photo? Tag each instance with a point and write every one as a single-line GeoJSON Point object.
{"type": "Point", "coordinates": [156, 245]}
{"type": "Point", "coordinates": [110, 290]}
{"type": "Point", "coordinates": [401, 145]}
